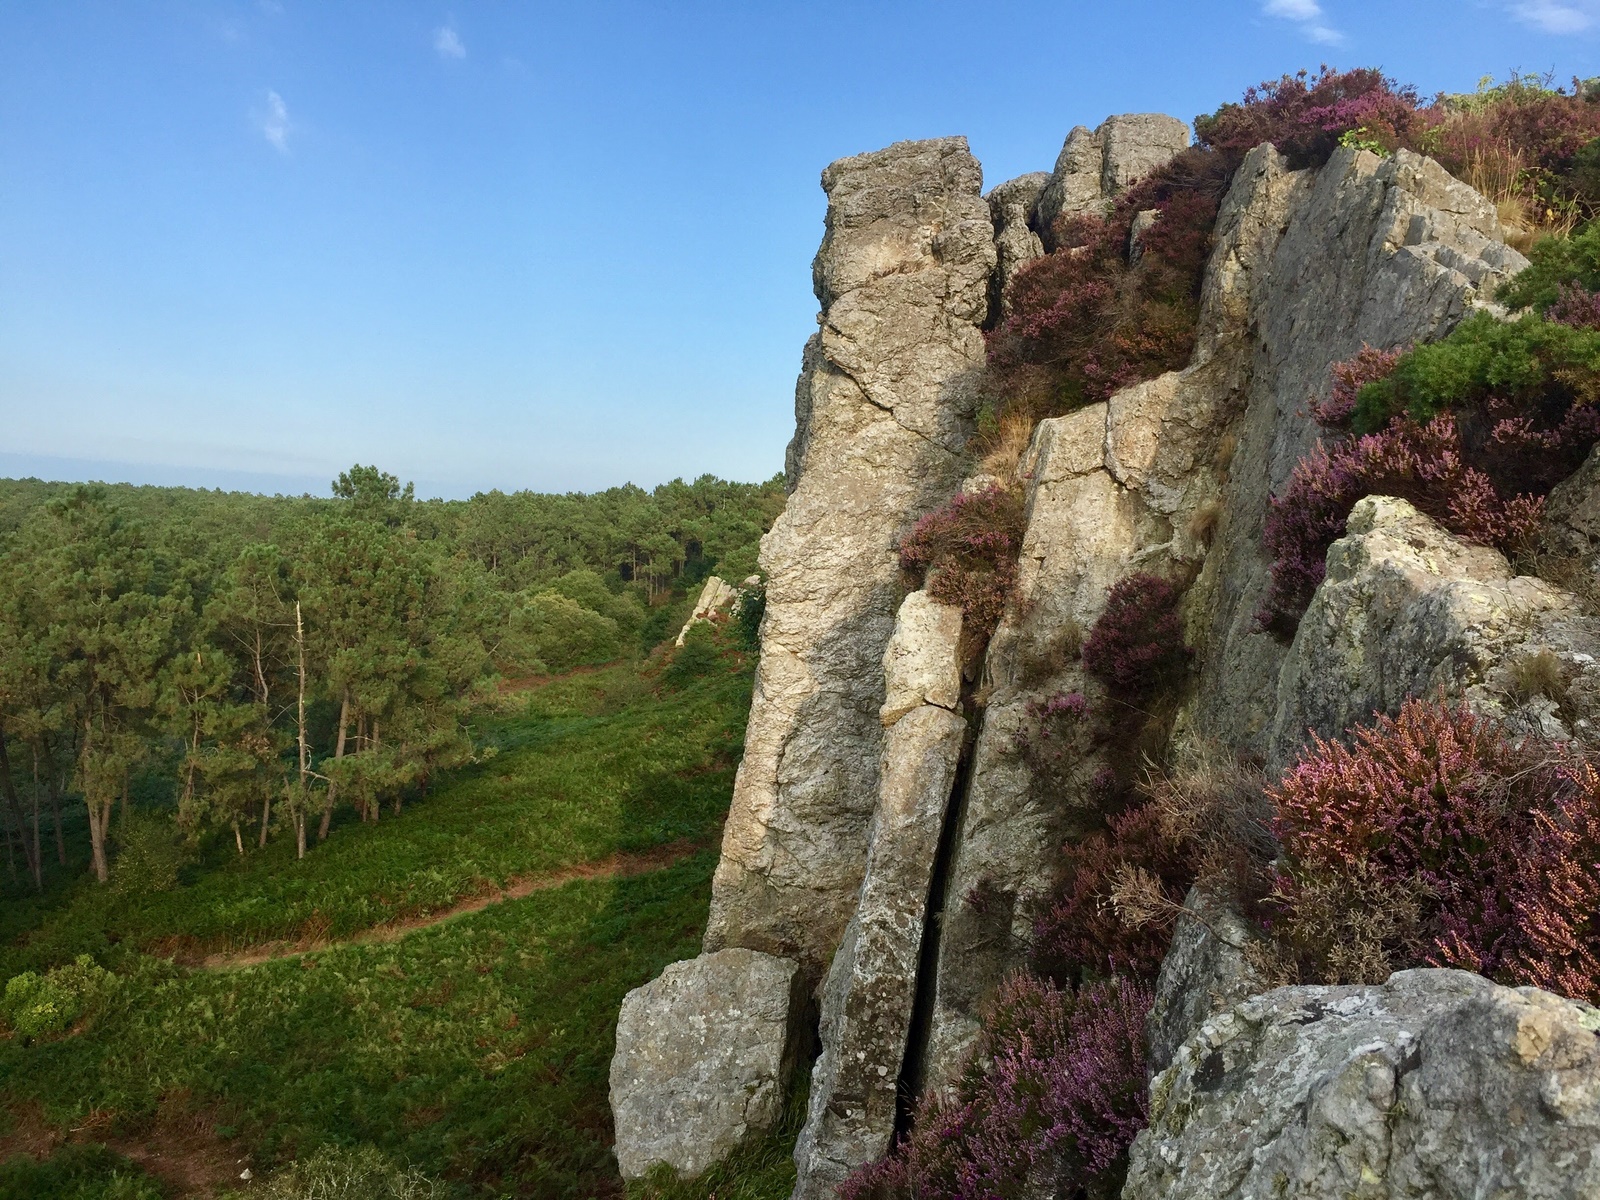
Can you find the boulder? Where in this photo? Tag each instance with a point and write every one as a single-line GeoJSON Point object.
{"type": "Point", "coordinates": [1094, 167]}
{"type": "Point", "coordinates": [881, 422]}
{"type": "Point", "coordinates": [1437, 1084]}
{"type": "Point", "coordinates": [1407, 610]}
{"type": "Point", "coordinates": [868, 997]}
{"type": "Point", "coordinates": [703, 1058]}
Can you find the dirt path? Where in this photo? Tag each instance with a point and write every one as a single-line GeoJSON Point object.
{"type": "Point", "coordinates": [615, 866]}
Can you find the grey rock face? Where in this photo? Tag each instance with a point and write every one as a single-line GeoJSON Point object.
{"type": "Point", "coordinates": [703, 1057]}
{"type": "Point", "coordinates": [1405, 610]}
{"type": "Point", "coordinates": [903, 279]}
{"type": "Point", "coordinates": [1572, 512]}
{"type": "Point", "coordinates": [1438, 1084]}
{"type": "Point", "coordinates": [1205, 971]}
{"type": "Point", "coordinates": [1377, 251]}
{"type": "Point", "coordinates": [1111, 488]}
{"type": "Point", "coordinates": [1015, 243]}
{"type": "Point", "coordinates": [1093, 167]}
{"type": "Point", "coordinates": [867, 1000]}
{"type": "Point", "coordinates": [1409, 610]}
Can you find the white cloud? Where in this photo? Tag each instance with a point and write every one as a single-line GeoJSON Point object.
{"type": "Point", "coordinates": [275, 124]}
{"type": "Point", "coordinates": [1308, 15]}
{"type": "Point", "coordinates": [448, 43]}
{"type": "Point", "coordinates": [1558, 16]}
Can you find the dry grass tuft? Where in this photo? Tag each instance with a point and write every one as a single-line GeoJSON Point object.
{"type": "Point", "coordinates": [1003, 449]}
{"type": "Point", "coordinates": [1203, 524]}
{"type": "Point", "coordinates": [1539, 674]}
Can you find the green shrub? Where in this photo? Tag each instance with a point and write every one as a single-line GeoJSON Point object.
{"type": "Point", "coordinates": [1530, 364]}
{"type": "Point", "coordinates": [696, 657]}
{"type": "Point", "coordinates": [563, 634]}
{"type": "Point", "coordinates": [747, 616]}
{"type": "Point", "coordinates": [340, 1173]}
{"type": "Point", "coordinates": [152, 854]}
{"type": "Point", "coordinates": [86, 1172]}
{"type": "Point", "coordinates": [1555, 262]}
{"type": "Point", "coordinates": [35, 1005]}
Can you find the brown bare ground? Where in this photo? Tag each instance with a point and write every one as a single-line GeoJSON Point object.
{"type": "Point", "coordinates": [180, 1146]}
{"type": "Point", "coordinates": [615, 866]}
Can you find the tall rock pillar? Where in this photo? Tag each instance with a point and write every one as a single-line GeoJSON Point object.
{"type": "Point", "coordinates": [903, 278]}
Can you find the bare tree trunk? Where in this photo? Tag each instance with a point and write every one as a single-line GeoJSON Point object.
{"type": "Point", "coordinates": [30, 850]}
{"type": "Point", "coordinates": [305, 755]}
{"type": "Point", "coordinates": [99, 820]}
{"type": "Point", "coordinates": [266, 813]}
{"type": "Point", "coordinates": [338, 753]}
{"type": "Point", "coordinates": [237, 840]}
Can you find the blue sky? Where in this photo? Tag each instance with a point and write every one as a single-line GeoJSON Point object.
{"type": "Point", "coordinates": [247, 243]}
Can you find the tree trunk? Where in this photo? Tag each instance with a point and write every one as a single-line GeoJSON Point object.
{"type": "Point", "coordinates": [99, 819]}
{"type": "Point", "coordinates": [237, 840]}
{"type": "Point", "coordinates": [266, 813]}
{"type": "Point", "coordinates": [30, 850]}
{"type": "Point", "coordinates": [338, 753]}
{"type": "Point", "coordinates": [61, 836]}
{"type": "Point", "coordinates": [305, 756]}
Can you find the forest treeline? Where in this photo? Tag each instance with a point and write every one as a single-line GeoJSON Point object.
{"type": "Point", "coordinates": [255, 663]}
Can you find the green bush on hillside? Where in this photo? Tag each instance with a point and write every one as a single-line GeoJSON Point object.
{"type": "Point", "coordinates": [151, 857]}
{"type": "Point", "coordinates": [1529, 363]}
{"type": "Point", "coordinates": [1556, 262]}
{"type": "Point", "coordinates": [563, 634]}
{"type": "Point", "coordinates": [77, 1172]}
{"type": "Point", "coordinates": [35, 1005]}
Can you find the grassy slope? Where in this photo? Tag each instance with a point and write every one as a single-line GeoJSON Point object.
{"type": "Point", "coordinates": [478, 1048]}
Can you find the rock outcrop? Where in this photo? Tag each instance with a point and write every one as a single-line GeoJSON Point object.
{"type": "Point", "coordinates": [903, 277]}
{"type": "Point", "coordinates": [1381, 252]}
{"type": "Point", "coordinates": [1437, 1084]}
{"type": "Point", "coordinates": [1095, 165]}
{"type": "Point", "coordinates": [1206, 970]}
{"type": "Point", "coordinates": [868, 998]}
{"type": "Point", "coordinates": [1111, 488]}
{"type": "Point", "coordinates": [1012, 206]}
{"type": "Point", "coordinates": [887, 864]}
{"type": "Point", "coordinates": [716, 596]}
{"type": "Point", "coordinates": [703, 1058]}
{"type": "Point", "coordinates": [1408, 610]}
{"type": "Point", "coordinates": [903, 280]}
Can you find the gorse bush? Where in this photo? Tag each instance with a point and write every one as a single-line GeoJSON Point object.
{"type": "Point", "coordinates": [1055, 1091]}
{"type": "Point", "coordinates": [36, 1005]}
{"type": "Point", "coordinates": [1553, 265]}
{"type": "Point", "coordinates": [1485, 853]}
{"type": "Point", "coordinates": [966, 552]}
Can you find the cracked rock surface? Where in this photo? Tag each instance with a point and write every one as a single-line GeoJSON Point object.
{"type": "Point", "coordinates": [1437, 1084]}
{"type": "Point", "coordinates": [868, 998]}
{"type": "Point", "coordinates": [903, 279]}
